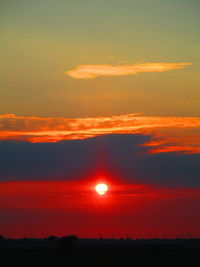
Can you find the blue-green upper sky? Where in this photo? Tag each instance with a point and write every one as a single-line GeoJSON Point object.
{"type": "Point", "coordinates": [42, 39]}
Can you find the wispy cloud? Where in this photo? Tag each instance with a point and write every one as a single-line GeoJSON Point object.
{"type": "Point", "coordinates": [169, 134]}
{"type": "Point", "coordinates": [94, 71]}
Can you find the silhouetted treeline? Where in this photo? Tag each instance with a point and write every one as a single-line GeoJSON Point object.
{"type": "Point", "coordinates": [72, 251]}
{"type": "Point", "coordinates": [68, 241]}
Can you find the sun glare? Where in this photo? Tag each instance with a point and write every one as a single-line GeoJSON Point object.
{"type": "Point", "coordinates": [101, 189]}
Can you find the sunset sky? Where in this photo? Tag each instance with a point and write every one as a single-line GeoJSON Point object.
{"type": "Point", "coordinates": [94, 92]}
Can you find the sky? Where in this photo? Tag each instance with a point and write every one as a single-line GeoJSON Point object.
{"type": "Point", "coordinates": [100, 92]}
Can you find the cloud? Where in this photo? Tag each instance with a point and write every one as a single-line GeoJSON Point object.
{"type": "Point", "coordinates": [115, 157]}
{"type": "Point", "coordinates": [94, 71]}
{"type": "Point", "coordinates": [168, 134]}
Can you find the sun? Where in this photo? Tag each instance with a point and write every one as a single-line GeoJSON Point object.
{"type": "Point", "coordinates": [101, 189]}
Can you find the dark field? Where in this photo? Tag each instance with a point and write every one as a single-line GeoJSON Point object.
{"type": "Point", "coordinates": [106, 252]}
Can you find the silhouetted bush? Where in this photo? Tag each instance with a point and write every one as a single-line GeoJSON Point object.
{"type": "Point", "coordinates": [2, 239]}
{"type": "Point", "coordinates": [66, 243]}
{"type": "Point", "coordinates": [52, 239]}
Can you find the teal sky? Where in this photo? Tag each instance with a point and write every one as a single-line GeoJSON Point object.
{"type": "Point", "coordinates": [41, 40]}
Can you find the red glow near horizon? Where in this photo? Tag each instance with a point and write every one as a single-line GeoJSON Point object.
{"type": "Point", "coordinates": [48, 207]}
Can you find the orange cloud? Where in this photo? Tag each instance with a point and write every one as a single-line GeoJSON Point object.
{"type": "Point", "coordinates": [94, 71]}
{"type": "Point", "coordinates": [169, 134]}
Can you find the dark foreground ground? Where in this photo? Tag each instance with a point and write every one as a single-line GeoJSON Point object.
{"type": "Point", "coordinates": [91, 252]}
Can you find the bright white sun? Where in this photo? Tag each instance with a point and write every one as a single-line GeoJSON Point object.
{"type": "Point", "coordinates": [101, 189]}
